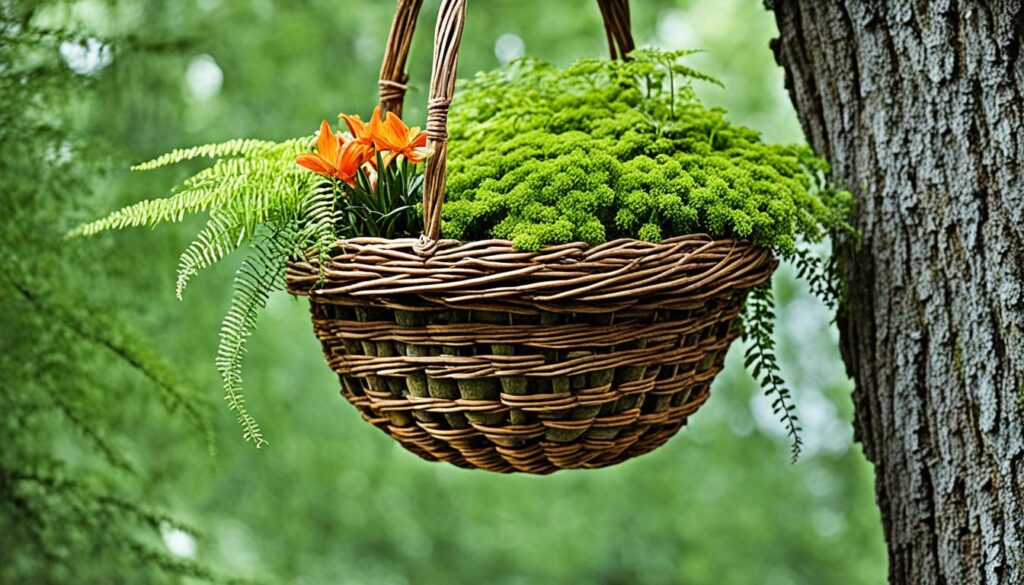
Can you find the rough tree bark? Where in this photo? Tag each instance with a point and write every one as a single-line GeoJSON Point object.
{"type": "Point", "coordinates": [919, 105]}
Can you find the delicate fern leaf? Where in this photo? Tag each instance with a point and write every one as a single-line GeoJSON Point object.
{"type": "Point", "coordinates": [261, 182]}
{"type": "Point", "coordinates": [320, 216]}
{"type": "Point", "coordinates": [150, 212]}
{"type": "Point", "coordinates": [261, 273]}
{"type": "Point", "coordinates": [759, 325]}
{"type": "Point", "coordinates": [821, 275]}
{"type": "Point", "coordinates": [218, 238]}
{"type": "Point", "coordinates": [694, 74]}
{"type": "Point", "coordinates": [255, 190]}
{"type": "Point", "coordinates": [231, 148]}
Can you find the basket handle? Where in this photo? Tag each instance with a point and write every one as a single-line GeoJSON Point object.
{"type": "Point", "coordinates": [447, 37]}
{"type": "Point", "coordinates": [393, 78]}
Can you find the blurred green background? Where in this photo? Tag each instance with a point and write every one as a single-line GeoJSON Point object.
{"type": "Point", "coordinates": [332, 500]}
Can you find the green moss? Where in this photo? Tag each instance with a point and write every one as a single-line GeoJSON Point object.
{"type": "Point", "coordinates": [604, 150]}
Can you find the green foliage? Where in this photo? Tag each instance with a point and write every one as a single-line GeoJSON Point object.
{"type": "Point", "coordinates": [261, 273]}
{"type": "Point", "coordinates": [119, 341]}
{"type": "Point", "coordinates": [255, 192]}
{"type": "Point", "coordinates": [760, 358]}
{"type": "Point", "coordinates": [603, 150]}
{"type": "Point", "coordinates": [253, 185]}
{"type": "Point", "coordinates": [391, 208]}
{"type": "Point", "coordinates": [60, 514]}
{"type": "Point", "coordinates": [71, 485]}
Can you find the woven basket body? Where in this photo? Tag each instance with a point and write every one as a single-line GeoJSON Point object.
{"type": "Point", "coordinates": [490, 357]}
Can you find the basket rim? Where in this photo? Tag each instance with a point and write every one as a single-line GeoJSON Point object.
{"type": "Point", "coordinates": [493, 275]}
{"type": "Point", "coordinates": [310, 254]}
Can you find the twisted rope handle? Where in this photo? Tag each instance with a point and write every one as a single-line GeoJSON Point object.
{"type": "Point", "coordinates": [447, 37]}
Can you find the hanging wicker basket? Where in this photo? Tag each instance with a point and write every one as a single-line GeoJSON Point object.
{"type": "Point", "coordinates": [489, 357]}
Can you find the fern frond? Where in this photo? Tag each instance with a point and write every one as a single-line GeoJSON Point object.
{"type": "Point", "coordinates": [821, 275]}
{"type": "Point", "coordinates": [320, 216]}
{"type": "Point", "coordinates": [260, 183]}
{"type": "Point", "coordinates": [261, 273]}
{"type": "Point", "coordinates": [253, 183]}
{"type": "Point", "coordinates": [759, 326]}
{"type": "Point", "coordinates": [217, 239]}
{"type": "Point", "coordinates": [239, 147]}
{"type": "Point", "coordinates": [150, 212]}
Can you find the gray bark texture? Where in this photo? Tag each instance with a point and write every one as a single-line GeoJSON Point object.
{"type": "Point", "coordinates": [919, 105]}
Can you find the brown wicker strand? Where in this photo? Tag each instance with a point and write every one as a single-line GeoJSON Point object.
{"type": "Point", "coordinates": [392, 71]}
{"type": "Point", "coordinates": [450, 20]}
{"type": "Point", "coordinates": [617, 27]}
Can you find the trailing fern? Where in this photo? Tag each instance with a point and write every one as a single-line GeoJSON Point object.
{"type": "Point", "coordinates": [759, 328]}
{"type": "Point", "coordinates": [255, 192]}
{"type": "Point", "coordinates": [232, 148]}
{"type": "Point", "coordinates": [221, 236]}
{"type": "Point", "coordinates": [261, 273]}
{"type": "Point", "coordinates": [254, 185]}
{"type": "Point", "coordinates": [256, 182]}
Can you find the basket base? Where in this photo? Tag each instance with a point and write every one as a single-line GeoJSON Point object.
{"type": "Point", "coordinates": [526, 449]}
{"type": "Point", "coordinates": [495, 391]}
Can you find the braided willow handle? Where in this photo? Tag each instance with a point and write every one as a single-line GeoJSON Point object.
{"type": "Point", "coordinates": [392, 72]}
{"type": "Point", "coordinates": [447, 36]}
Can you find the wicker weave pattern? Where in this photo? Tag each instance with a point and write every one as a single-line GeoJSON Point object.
{"type": "Point", "coordinates": [572, 357]}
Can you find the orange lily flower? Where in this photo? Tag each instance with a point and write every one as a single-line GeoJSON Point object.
{"type": "Point", "coordinates": [325, 160]}
{"type": "Point", "coordinates": [332, 158]}
{"type": "Point", "coordinates": [361, 135]}
{"type": "Point", "coordinates": [392, 135]}
{"type": "Point", "coordinates": [348, 163]}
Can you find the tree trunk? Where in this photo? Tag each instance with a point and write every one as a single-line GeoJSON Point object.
{"type": "Point", "coordinates": [919, 105]}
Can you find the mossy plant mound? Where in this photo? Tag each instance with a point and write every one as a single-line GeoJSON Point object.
{"type": "Point", "coordinates": [611, 149]}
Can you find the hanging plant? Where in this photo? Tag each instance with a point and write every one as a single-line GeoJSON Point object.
{"type": "Point", "coordinates": [547, 279]}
